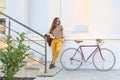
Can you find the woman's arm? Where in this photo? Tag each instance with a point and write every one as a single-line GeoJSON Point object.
{"type": "Point", "coordinates": [62, 35]}
{"type": "Point", "coordinates": [62, 32]}
{"type": "Point", "coordinates": [49, 31]}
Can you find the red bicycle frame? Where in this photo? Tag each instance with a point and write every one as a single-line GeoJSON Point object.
{"type": "Point", "coordinates": [93, 52]}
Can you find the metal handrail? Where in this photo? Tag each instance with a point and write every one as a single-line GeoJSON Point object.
{"type": "Point", "coordinates": [10, 18]}
{"type": "Point", "coordinates": [28, 38]}
{"type": "Point", "coordinates": [22, 24]}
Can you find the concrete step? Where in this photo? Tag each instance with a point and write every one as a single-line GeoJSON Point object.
{"type": "Point", "coordinates": [2, 29]}
{"type": "Point", "coordinates": [31, 62]}
{"type": "Point", "coordinates": [35, 70]}
{"type": "Point", "coordinates": [3, 45]}
{"type": "Point", "coordinates": [3, 37]}
{"type": "Point", "coordinates": [50, 72]}
{"type": "Point", "coordinates": [33, 67]}
{"type": "Point", "coordinates": [37, 66]}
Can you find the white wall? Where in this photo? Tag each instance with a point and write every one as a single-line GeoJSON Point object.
{"type": "Point", "coordinates": [18, 9]}
{"type": "Point", "coordinates": [41, 14]}
{"type": "Point", "coordinates": [100, 16]}
{"type": "Point", "coordinates": [53, 10]}
{"type": "Point", "coordinates": [74, 17]}
{"type": "Point", "coordinates": [38, 15]}
{"type": "Point", "coordinates": [104, 18]}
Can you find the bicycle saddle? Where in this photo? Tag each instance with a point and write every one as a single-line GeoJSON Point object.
{"type": "Point", "coordinates": [78, 41]}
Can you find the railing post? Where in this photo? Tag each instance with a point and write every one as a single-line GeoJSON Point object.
{"type": "Point", "coordinates": [9, 25]}
{"type": "Point", "coordinates": [45, 55]}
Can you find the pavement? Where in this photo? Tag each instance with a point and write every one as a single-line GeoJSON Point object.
{"type": "Point", "coordinates": [84, 74]}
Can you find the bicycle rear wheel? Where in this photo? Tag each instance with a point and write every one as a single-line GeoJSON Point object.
{"type": "Point", "coordinates": [71, 59]}
{"type": "Point", "coordinates": [104, 61]}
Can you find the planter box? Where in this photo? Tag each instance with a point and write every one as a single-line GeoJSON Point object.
{"type": "Point", "coordinates": [21, 78]}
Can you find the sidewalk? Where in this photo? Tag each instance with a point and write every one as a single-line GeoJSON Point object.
{"type": "Point", "coordinates": [84, 74]}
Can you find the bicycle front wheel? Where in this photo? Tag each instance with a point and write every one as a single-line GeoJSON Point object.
{"type": "Point", "coordinates": [104, 61]}
{"type": "Point", "coordinates": [71, 59]}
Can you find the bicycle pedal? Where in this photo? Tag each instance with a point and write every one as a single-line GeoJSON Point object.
{"type": "Point", "coordinates": [84, 61]}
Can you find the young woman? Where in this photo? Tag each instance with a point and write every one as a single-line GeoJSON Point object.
{"type": "Point", "coordinates": [56, 32]}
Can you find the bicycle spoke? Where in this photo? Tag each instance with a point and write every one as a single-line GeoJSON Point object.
{"type": "Point", "coordinates": [71, 60]}
{"type": "Point", "coordinates": [104, 61]}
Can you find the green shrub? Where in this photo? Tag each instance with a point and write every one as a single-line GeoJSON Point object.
{"type": "Point", "coordinates": [12, 57]}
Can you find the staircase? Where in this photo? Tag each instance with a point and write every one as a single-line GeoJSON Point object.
{"type": "Point", "coordinates": [34, 65]}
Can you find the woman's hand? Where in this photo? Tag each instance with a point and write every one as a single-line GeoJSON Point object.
{"type": "Point", "coordinates": [63, 39]}
{"type": "Point", "coordinates": [51, 36]}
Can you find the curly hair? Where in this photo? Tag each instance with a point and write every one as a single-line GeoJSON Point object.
{"type": "Point", "coordinates": [54, 23]}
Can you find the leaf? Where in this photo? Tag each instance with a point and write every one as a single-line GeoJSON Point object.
{"type": "Point", "coordinates": [13, 57]}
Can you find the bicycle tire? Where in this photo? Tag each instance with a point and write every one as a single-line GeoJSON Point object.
{"type": "Point", "coordinates": [66, 59]}
{"type": "Point", "coordinates": [107, 62]}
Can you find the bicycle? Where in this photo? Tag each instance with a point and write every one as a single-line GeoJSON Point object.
{"type": "Point", "coordinates": [103, 59]}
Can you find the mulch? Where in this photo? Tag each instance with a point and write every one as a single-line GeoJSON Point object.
{"type": "Point", "coordinates": [20, 78]}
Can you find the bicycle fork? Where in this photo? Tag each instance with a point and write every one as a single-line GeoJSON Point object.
{"type": "Point", "coordinates": [100, 53]}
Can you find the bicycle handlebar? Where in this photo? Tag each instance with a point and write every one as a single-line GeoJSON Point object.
{"type": "Point", "coordinates": [99, 41]}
